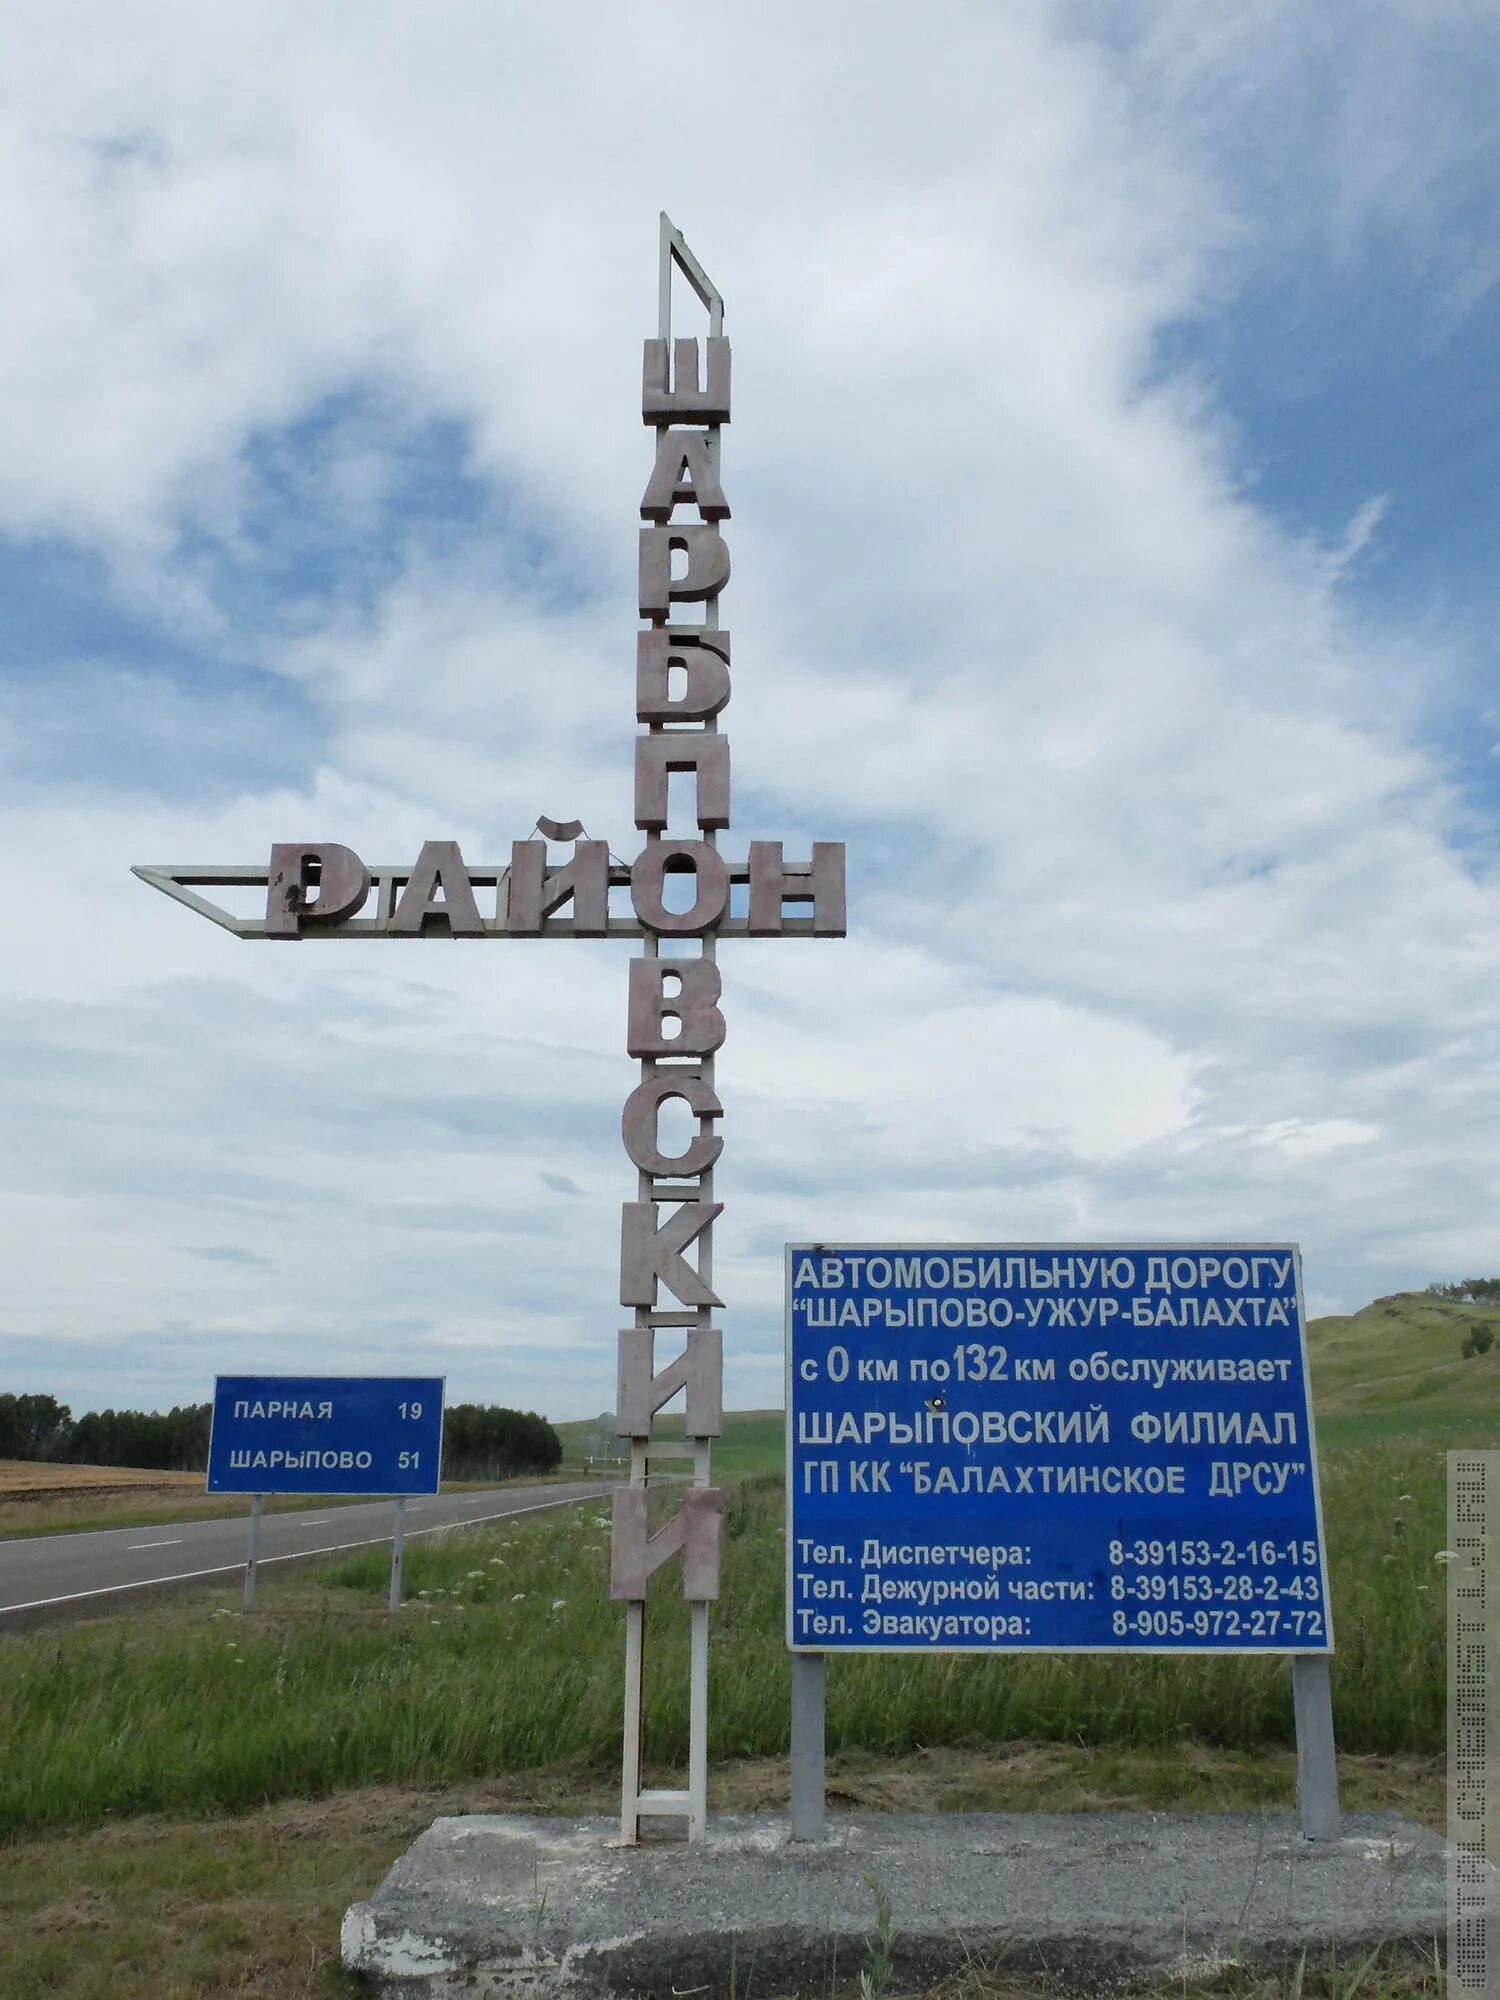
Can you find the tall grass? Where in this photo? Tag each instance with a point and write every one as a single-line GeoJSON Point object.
{"type": "Point", "coordinates": [508, 1657]}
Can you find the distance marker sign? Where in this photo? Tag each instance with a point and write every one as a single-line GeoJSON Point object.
{"type": "Point", "coordinates": [368, 1434]}
{"type": "Point", "coordinates": [1042, 1447]}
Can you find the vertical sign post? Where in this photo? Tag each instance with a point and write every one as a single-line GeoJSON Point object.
{"type": "Point", "coordinates": [252, 1554]}
{"type": "Point", "coordinates": [398, 1551]}
{"type": "Point", "coordinates": [680, 734]}
{"type": "Point", "coordinates": [684, 896]}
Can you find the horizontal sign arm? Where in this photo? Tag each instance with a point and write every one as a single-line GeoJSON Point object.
{"type": "Point", "coordinates": [559, 900]}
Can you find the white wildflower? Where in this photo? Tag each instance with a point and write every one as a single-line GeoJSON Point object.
{"type": "Point", "coordinates": [558, 1603]}
{"type": "Point", "coordinates": [519, 1598]}
{"type": "Point", "coordinates": [1446, 1556]}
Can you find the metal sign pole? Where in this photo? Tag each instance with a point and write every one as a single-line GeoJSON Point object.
{"type": "Point", "coordinates": [809, 1698]}
{"type": "Point", "coordinates": [398, 1548]}
{"type": "Point", "coordinates": [665, 1180]}
{"type": "Point", "coordinates": [1317, 1770]}
{"type": "Point", "coordinates": [252, 1555]}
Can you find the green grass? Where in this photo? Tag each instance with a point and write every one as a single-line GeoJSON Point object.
{"type": "Point", "coordinates": [1401, 1357]}
{"type": "Point", "coordinates": [753, 1441]}
{"type": "Point", "coordinates": [248, 1908]}
{"type": "Point", "coordinates": [509, 1659]}
{"type": "Point", "coordinates": [21, 1520]}
{"type": "Point", "coordinates": [1410, 1427]}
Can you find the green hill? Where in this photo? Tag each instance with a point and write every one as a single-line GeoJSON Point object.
{"type": "Point", "coordinates": [1398, 1364]}
{"type": "Point", "coordinates": [753, 1440]}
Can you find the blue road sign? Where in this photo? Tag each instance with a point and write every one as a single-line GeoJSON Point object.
{"type": "Point", "coordinates": [1042, 1447]}
{"type": "Point", "coordinates": [373, 1434]}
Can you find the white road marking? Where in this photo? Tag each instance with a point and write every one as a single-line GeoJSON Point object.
{"type": "Point", "coordinates": [292, 1555]}
{"type": "Point", "coordinates": [316, 1521]}
{"type": "Point", "coordinates": [171, 1542]}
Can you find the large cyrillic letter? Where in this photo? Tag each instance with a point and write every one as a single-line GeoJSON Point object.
{"type": "Point", "coordinates": [699, 1369]}
{"type": "Point", "coordinates": [702, 658]}
{"type": "Point", "coordinates": [705, 755]}
{"type": "Point", "coordinates": [819, 882]}
{"type": "Point", "coordinates": [639, 1119]}
{"type": "Point", "coordinates": [663, 403]}
{"type": "Point", "coordinates": [439, 866]}
{"type": "Point", "coordinates": [535, 891]}
{"type": "Point", "coordinates": [684, 476]}
{"type": "Point", "coordinates": [650, 1256]}
{"type": "Point", "coordinates": [340, 879]}
{"type": "Point", "coordinates": [697, 1530]}
{"type": "Point", "coordinates": [693, 1004]}
{"type": "Point", "coordinates": [706, 574]}
{"type": "Point", "coordinates": [648, 874]}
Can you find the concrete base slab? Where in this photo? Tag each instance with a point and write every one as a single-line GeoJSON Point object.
{"type": "Point", "coordinates": [492, 1907]}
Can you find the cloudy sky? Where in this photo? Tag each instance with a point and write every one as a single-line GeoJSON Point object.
{"type": "Point", "coordinates": [1115, 480]}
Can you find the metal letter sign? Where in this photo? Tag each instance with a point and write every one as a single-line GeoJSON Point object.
{"type": "Point", "coordinates": [1023, 1448]}
{"type": "Point", "coordinates": [371, 1434]}
{"type": "Point", "coordinates": [321, 889]}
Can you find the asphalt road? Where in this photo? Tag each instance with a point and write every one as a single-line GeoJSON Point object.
{"type": "Point", "coordinates": [44, 1571]}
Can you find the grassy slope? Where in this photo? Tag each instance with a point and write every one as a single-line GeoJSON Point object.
{"type": "Point", "coordinates": [118, 1904]}
{"type": "Point", "coordinates": [1396, 1365]}
{"type": "Point", "coordinates": [508, 1659]}
{"type": "Point", "coordinates": [753, 1440]}
{"type": "Point", "coordinates": [153, 1909]}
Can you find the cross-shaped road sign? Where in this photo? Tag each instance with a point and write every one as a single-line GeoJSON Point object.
{"type": "Point", "coordinates": [675, 1025]}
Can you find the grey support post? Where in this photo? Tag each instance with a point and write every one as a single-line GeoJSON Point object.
{"type": "Point", "coordinates": [398, 1550]}
{"type": "Point", "coordinates": [808, 1712]}
{"type": "Point", "coordinates": [252, 1554]}
{"type": "Point", "coordinates": [1317, 1773]}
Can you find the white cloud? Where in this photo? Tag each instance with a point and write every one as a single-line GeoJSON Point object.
{"type": "Point", "coordinates": [1160, 923]}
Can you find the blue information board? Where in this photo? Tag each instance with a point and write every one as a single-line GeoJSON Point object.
{"type": "Point", "coordinates": [375, 1434]}
{"type": "Point", "coordinates": [1042, 1447]}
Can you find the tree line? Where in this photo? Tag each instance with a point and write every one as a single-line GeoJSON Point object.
{"type": "Point", "coordinates": [484, 1441]}
{"type": "Point", "coordinates": [1468, 1292]}
{"type": "Point", "coordinates": [1480, 1337]}
{"type": "Point", "coordinates": [480, 1440]}
{"type": "Point", "coordinates": [156, 1441]}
